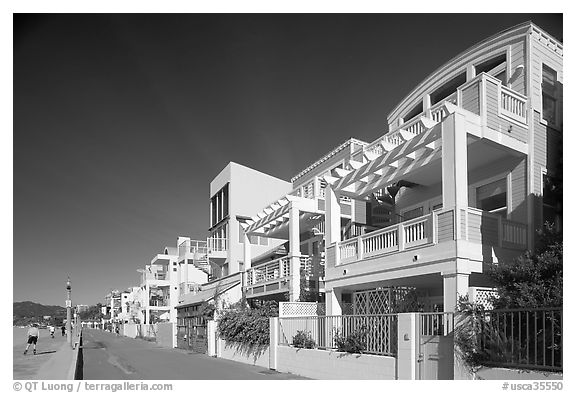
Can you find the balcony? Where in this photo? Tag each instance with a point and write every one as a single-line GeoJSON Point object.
{"type": "Point", "coordinates": [217, 247]}
{"type": "Point", "coordinates": [315, 189]}
{"type": "Point", "coordinates": [274, 276]}
{"type": "Point", "coordinates": [478, 227]}
{"type": "Point", "coordinates": [159, 303]}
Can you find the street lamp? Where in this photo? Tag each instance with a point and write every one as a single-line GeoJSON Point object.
{"type": "Point", "coordinates": [69, 311]}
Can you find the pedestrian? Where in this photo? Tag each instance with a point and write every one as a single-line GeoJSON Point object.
{"type": "Point", "coordinates": [52, 329]}
{"type": "Point", "coordinates": [63, 328]}
{"type": "Point", "coordinates": [33, 334]}
{"type": "Point", "coordinates": [117, 330]}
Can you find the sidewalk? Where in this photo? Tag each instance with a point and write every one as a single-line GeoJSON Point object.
{"type": "Point", "coordinates": [54, 359]}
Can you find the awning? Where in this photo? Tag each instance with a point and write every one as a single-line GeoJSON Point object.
{"type": "Point", "coordinates": [205, 295]}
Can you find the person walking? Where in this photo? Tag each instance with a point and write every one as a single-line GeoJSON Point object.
{"type": "Point", "coordinates": [33, 334]}
{"type": "Point", "coordinates": [52, 330]}
{"type": "Point", "coordinates": [63, 328]}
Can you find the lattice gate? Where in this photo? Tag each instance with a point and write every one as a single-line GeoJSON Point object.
{"type": "Point", "coordinates": [389, 300]}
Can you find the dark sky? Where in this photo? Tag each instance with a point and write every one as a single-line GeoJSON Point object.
{"type": "Point", "coordinates": [121, 121]}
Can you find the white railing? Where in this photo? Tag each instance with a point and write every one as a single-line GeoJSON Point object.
{"type": "Point", "coordinates": [217, 244]}
{"type": "Point", "coordinates": [199, 246]}
{"type": "Point", "coordinates": [493, 229]}
{"type": "Point", "coordinates": [276, 269]}
{"type": "Point", "coordinates": [512, 104]}
{"type": "Point", "coordinates": [438, 111]}
{"type": "Point", "coordinates": [408, 234]}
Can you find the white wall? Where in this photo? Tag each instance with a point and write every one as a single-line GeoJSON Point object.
{"type": "Point", "coordinates": [321, 364]}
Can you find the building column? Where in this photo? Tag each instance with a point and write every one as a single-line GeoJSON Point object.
{"type": "Point", "coordinates": [333, 213]}
{"type": "Point", "coordinates": [147, 304]}
{"type": "Point", "coordinates": [455, 285]}
{"type": "Point", "coordinates": [333, 301]}
{"type": "Point", "coordinates": [247, 261]}
{"type": "Point", "coordinates": [455, 168]}
{"type": "Point", "coordinates": [294, 254]}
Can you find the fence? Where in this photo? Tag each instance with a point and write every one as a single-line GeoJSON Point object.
{"type": "Point", "coordinates": [376, 333]}
{"type": "Point", "coordinates": [521, 338]}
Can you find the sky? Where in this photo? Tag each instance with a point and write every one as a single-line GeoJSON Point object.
{"type": "Point", "coordinates": [121, 121]}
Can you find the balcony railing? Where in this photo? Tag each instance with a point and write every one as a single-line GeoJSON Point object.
{"type": "Point", "coordinates": [159, 303]}
{"type": "Point", "coordinates": [278, 268]}
{"type": "Point", "coordinates": [405, 235]}
{"type": "Point", "coordinates": [195, 246]}
{"type": "Point", "coordinates": [217, 244]}
{"type": "Point", "coordinates": [512, 104]}
{"type": "Point", "coordinates": [480, 227]}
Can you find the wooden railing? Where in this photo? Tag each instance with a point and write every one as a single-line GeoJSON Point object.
{"type": "Point", "coordinates": [480, 227]}
{"type": "Point", "coordinates": [408, 234]}
{"type": "Point", "coordinates": [492, 229]}
{"type": "Point", "coordinates": [512, 104]}
{"type": "Point", "coordinates": [275, 269]}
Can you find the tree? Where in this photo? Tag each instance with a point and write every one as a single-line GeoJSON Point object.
{"type": "Point", "coordinates": [532, 280]}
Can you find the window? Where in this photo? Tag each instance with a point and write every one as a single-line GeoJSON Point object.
{"type": "Point", "coordinates": [437, 206]}
{"type": "Point", "coordinates": [410, 214]}
{"type": "Point", "coordinates": [494, 66]}
{"type": "Point", "coordinates": [549, 95]}
{"type": "Point", "coordinates": [418, 109]}
{"type": "Point", "coordinates": [219, 206]}
{"type": "Point", "coordinates": [447, 89]}
{"type": "Point", "coordinates": [492, 197]}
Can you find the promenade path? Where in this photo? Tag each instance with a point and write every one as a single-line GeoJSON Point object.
{"type": "Point", "coordinates": [53, 359]}
{"type": "Point", "coordinates": [107, 356]}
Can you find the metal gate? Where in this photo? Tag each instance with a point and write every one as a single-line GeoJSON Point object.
{"type": "Point", "coordinates": [436, 346]}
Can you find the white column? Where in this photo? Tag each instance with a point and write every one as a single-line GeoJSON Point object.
{"type": "Point", "coordinates": [408, 337]}
{"type": "Point", "coordinates": [333, 210]}
{"type": "Point", "coordinates": [426, 104]}
{"type": "Point", "coordinates": [470, 72]}
{"type": "Point", "coordinates": [333, 301]}
{"type": "Point", "coordinates": [455, 167]}
{"type": "Point", "coordinates": [185, 274]}
{"type": "Point", "coordinates": [273, 348]}
{"type": "Point", "coordinates": [455, 286]}
{"type": "Point", "coordinates": [247, 260]}
{"type": "Point", "coordinates": [147, 305]}
{"type": "Point", "coordinates": [294, 239]}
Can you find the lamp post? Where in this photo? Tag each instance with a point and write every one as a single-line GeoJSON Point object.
{"type": "Point", "coordinates": [69, 311]}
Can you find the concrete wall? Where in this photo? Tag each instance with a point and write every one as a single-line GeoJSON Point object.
{"type": "Point", "coordinates": [165, 335]}
{"type": "Point", "coordinates": [239, 353]}
{"type": "Point", "coordinates": [320, 364]}
{"type": "Point", "coordinates": [492, 373]}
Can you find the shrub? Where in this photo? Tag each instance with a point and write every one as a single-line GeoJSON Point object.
{"type": "Point", "coordinates": [353, 343]}
{"type": "Point", "coordinates": [245, 325]}
{"type": "Point", "coordinates": [303, 339]}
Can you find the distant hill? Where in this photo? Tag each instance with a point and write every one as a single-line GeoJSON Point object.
{"type": "Point", "coordinates": [29, 311]}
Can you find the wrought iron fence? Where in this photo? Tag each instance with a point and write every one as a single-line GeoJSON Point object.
{"type": "Point", "coordinates": [377, 334]}
{"type": "Point", "coordinates": [522, 338]}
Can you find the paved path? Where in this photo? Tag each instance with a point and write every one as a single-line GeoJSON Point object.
{"type": "Point", "coordinates": [107, 356]}
{"type": "Point", "coordinates": [31, 366]}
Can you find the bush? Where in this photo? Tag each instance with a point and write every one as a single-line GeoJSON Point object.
{"type": "Point", "coordinates": [303, 339]}
{"type": "Point", "coordinates": [353, 343]}
{"type": "Point", "coordinates": [245, 325]}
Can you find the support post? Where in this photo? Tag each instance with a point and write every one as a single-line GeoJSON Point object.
{"type": "Point", "coordinates": [455, 285]}
{"type": "Point", "coordinates": [294, 255]}
{"type": "Point", "coordinates": [455, 168]}
{"type": "Point", "coordinates": [408, 344]}
{"type": "Point", "coordinates": [273, 348]}
{"type": "Point", "coordinates": [247, 262]}
{"type": "Point", "coordinates": [333, 213]}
